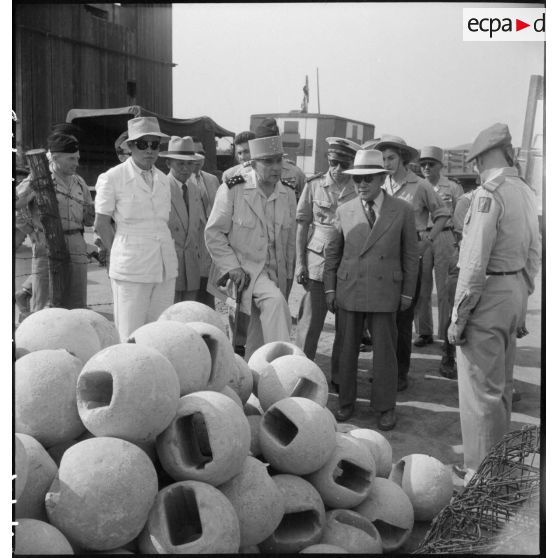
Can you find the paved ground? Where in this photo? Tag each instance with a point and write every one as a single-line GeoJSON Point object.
{"type": "Point", "coordinates": [427, 412]}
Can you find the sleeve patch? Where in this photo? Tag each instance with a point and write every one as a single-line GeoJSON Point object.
{"type": "Point", "coordinates": [289, 182]}
{"type": "Point", "coordinates": [484, 205]}
{"type": "Point", "coordinates": [235, 180]}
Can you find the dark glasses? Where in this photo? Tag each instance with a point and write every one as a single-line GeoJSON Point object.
{"type": "Point", "coordinates": [358, 178]}
{"type": "Point", "coordinates": [336, 162]}
{"type": "Point", "coordinates": [142, 145]}
{"type": "Point", "coordinates": [428, 164]}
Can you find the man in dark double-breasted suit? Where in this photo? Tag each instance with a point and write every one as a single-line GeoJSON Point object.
{"type": "Point", "coordinates": [371, 266]}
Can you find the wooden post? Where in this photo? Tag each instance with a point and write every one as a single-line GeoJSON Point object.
{"type": "Point", "coordinates": [49, 216]}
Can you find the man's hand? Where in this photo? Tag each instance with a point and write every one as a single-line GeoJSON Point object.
{"type": "Point", "coordinates": [240, 278]}
{"type": "Point", "coordinates": [405, 303]}
{"type": "Point", "coordinates": [455, 334]}
{"type": "Point", "coordinates": [330, 302]}
{"type": "Point", "coordinates": [302, 275]}
{"type": "Point", "coordinates": [521, 331]}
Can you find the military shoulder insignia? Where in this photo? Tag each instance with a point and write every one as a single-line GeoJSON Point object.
{"type": "Point", "coordinates": [494, 184]}
{"type": "Point", "coordinates": [289, 182]}
{"type": "Point", "coordinates": [235, 180]}
{"type": "Point", "coordinates": [314, 176]}
{"type": "Point", "coordinates": [246, 164]}
{"type": "Point", "coordinates": [484, 204]}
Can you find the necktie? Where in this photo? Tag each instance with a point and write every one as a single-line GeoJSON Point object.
{"type": "Point", "coordinates": [185, 196]}
{"type": "Point", "coordinates": [371, 213]}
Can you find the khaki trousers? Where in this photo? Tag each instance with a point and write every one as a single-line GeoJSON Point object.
{"type": "Point", "coordinates": [311, 317]}
{"type": "Point", "coordinates": [485, 366]}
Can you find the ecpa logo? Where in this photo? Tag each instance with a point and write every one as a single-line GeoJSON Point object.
{"type": "Point", "coordinates": [503, 24]}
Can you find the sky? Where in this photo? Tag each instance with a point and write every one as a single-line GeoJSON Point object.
{"type": "Point", "coordinates": [401, 66]}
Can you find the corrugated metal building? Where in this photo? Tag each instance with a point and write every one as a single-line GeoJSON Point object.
{"type": "Point", "coordinates": [88, 56]}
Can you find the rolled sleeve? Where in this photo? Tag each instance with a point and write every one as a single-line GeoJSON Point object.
{"type": "Point", "coordinates": [304, 207]}
{"type": "Point", "coordinates": [432, 201]}
{"type": "Point", "coordinates": [105, 197]}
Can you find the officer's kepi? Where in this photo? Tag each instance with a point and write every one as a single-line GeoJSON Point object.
{"type": "Point", "coordinates": [342, 149]}
{"type": "Point", "coordinates": [497, 135]}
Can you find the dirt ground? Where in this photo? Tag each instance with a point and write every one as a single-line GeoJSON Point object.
{"type": "Point", "coordinates": [427, 412]}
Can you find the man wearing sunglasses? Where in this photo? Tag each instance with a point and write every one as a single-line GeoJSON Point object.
{"type": "Point", "coordinates": [315, 212]}
{"type": "Point", "coordinates": [143, 264]}
{"type": "Point", "coordinates": [250, 235]}
{"type": "Point", "coordinates": [370, 272]}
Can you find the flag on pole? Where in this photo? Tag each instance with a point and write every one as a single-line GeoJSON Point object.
{"type": "Point", "coordinates": [305, 99]}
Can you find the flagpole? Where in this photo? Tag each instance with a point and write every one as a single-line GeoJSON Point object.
{"type": "Point", "coordinates": [318, 88]}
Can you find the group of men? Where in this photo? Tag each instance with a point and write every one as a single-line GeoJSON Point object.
{"type": "Point", "coordinates": [362, 238]}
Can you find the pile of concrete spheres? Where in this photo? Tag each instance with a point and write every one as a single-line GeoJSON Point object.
{"type": "Point", "coordinates": [169, 443]}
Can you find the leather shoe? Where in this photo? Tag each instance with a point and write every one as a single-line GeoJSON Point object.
{"type": "Point", "coordinates": [402, 384]}
{"type": "Point", "coordinates": [334, 387]}
{"type": "Point", "coordinates": [240, 350]}
{"type": "Point", "coordinates": [448, 368]}
{"type": "Point", "coordinates": [387, 420]}
{"type": "Point", "coordinates": [344, 413]}
{"type": "Point", "coordinates": [423, 340]}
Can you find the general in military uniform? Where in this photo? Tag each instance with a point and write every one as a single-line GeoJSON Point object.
{"type": "Point", "coordinates": [315, 215]}
{"type": "Point", "coordinates": [499, 259]}
{"type": "Point", "coordinates": [250, 235]}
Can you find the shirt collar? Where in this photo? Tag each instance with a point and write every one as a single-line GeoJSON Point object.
{"type": "Point", "coordinates": [491, 174]}
{"type": "Point", "coordinates": [378, 201]}
{"type": "Point", "coordinates": [137, 169]}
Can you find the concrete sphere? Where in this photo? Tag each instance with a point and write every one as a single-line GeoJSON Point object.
{"type": "Point", "coordinates": [21, 467]}
{"type": "Point", "coordinates": [103, 493]}
{"type": "Point", "coordinates": [41, 471]}
{"type": "Point", "coordinates": [58, 450]}
{"type": "Point", "coordinates": [223, 363]}
{"type": "Point", "coordinates": [323, 549]}
{"type": "Point", "coordinates": [243, 381]}
{"type": "Point", "coordinates": [351, 531]}
{"type": "Point", "coordinates": [390, 510]}
{"type": "Point", "coordinates": [254, 421]}
{"type": "Point", "coordinates": [292, 376]}
{"type": "Point", "coordinates": [229, 392]}
{"type": "Point", "coordinates": [426, 481]}
{"type": "Point", "coordinates": [208, 440]}
{"type": "Point", "coordinates": [57, 328]}
{"type": "Point", "coordinates": [304, 518]}
{"type": "Point", "coordinates": [252, 406]}
{"type": "Point", "coordinates": [191, 517]}
{"type": "Point", "coordinates": [105, 329]}
{"type": "Point", "coordinates": [183, 347]}
{"type": "Point", "coordinates": [128, 391]}
{"type": "Point", "coordinates": [267, 353]}
{"type": "Point", "coordinates": [347, 476]}
{"type": "Point", "coordinates": [344, 427]}
{"type": "Point", "coordinates": [192, 311]}
{"type": "Point", "coordinates": [45, 396]}
{"type": "Point", "coordinates": [297, 436]}
{"type": "Point", "coordinates": [257, 500]}
{"type": "Point", "coordinates": [252, 549]}
{"type": "Point", "coordinates": [37, 537]}
{"type": "Point", "coordinates": [380, 448]}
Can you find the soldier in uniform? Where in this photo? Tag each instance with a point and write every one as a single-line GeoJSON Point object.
{"type": "Point", "coordinates": [315, 214]}
{"type": "Point", "coordinates": [242, 153]}
{"type": "Point", "coordinates": [250, 235]}
{"type": "Point", "coordinates": [498, 261]}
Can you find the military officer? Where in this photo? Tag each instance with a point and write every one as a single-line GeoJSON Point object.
{"type": "Point", "coordinates": [498, 261]}
{"type": "Point", "coordinates": [242, 153]}
{"type": "Point", "coordinates": [315, 215]}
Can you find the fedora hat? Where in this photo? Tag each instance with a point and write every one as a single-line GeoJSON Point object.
{"type": "Point", "coordinates": [367, 161]}
{"type": "Point", "coordinates": [395, 142]}
{"type": "Point", "coordinates": [432, 152]}
{"type": "Point", "coordinates": [181, 148]}
{"type": "Point", "coordinates": [260, 148]}
{"type": "Point", "coordinates": [144, 126]}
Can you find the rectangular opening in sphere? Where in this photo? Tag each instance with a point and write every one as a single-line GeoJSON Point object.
{"type": "Point", "coordinates": [94, 389]}
{"type": "Point", "coordinates": [305, 388]}
{"type": "Point", "coordinates": [213, 347]}
{"type": "Point", "coordinates": [298, 526]}
{"type": "Point", "coordinates": [352, 477]}
{"type": "Point", "coordinates": [195, 448]}
{"type": "Point", "coordinates": [182, 516]}
{"type": "Point", "coordinates": [279, 426]}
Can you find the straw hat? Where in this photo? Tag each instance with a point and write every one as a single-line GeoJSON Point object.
{"type": "Point", "coordinates": [367, 161]}
{"type": "Point", "coordinates": [181, 148]}
{"type": "Point", "coordinates": [395, 142]}
{"type": "Point", "coordinates": [144, 126]}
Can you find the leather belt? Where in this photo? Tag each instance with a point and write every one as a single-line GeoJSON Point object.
{"type": "Point", "coordinates": [73, 231]}
{"type": "Point", "coordinates": [428, 229]}
{"type": "Point", "coordinates": [503, 272]}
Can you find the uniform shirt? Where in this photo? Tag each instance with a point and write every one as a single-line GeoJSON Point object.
{"type": "Point", "coordinates": [449, 192]}
{"type": "Point", "coordinates": [420, 194]}
{"type": "Point", "coordinates": [268, 207]}
{"type": "Point", "coordinates": [461, 209]}
{"type": "Point", "coordinates": [501, 234]}
{"type": "Point", "coordinates": [143, 249]}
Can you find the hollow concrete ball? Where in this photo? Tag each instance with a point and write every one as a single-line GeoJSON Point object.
{"type": "Point", "coordinates": [292, 376]}
{"type": "Point", "coordinates": [427, 482]}
{"type": "Point", "coordinates": [41, 471]}
{"type": "Point", "coordinates": [128, 391]}
{"type": "Point", "coordinates": [191, 311]}
{"type": "Point", "coordinates": [303, 522]}
{"type": "Point", "coordinates": [323, 549]}
{"type": "Point", "coordinates": [297, 436]}
{"type": "Point", "coordinates": [45, 396]}
{"type": "Point", "coordinates": [229, 392]}
{"type": "Point", "coordinates": [351, 531]}
{"type": "Point", "coordinates": [345, 427]}
{"type": "Point", "coordinates": [254, 423]}
{"type": "Point", "coordinates": [243, 381]}
{"type": "Point", "coordinates": [105, 329]}
{"type": "Point", "coordinates": [379, 447]}
{"type": "Point", "coordinates": [390, 510]}
{"type": "Point", "coordinates": [347, 476]}
{"type": "Point", "coordinates": [191, 517]}
{"type": "Point", "coordinates": [208, 440]}
{"type": "Point", "coordinates": [58, 450]}
{"type": "Point", "coordinates": [38, 537]}
{"type": "Point", "coordinates": [57, 328]}
{"type": "Point", "coordinates": [267, 353]}
{"type": "Point", "coordinates": [257, 500]}
{"type": "Point", "coordinates": [252, 549]}
{"type": "Point", "coordinates": [183, 347]}
{"type": "Point", "coordinates": [21, 466]}
{"type": "Point", "coordinates": [223, 363]}
{"type": "Point", "coordinates": [252, 406]}
{"type": "Point", "coordinates": [102, 494]}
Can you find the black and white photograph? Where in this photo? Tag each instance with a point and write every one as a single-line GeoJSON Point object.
{"type": "Point", "coordinates": [279, 278]}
